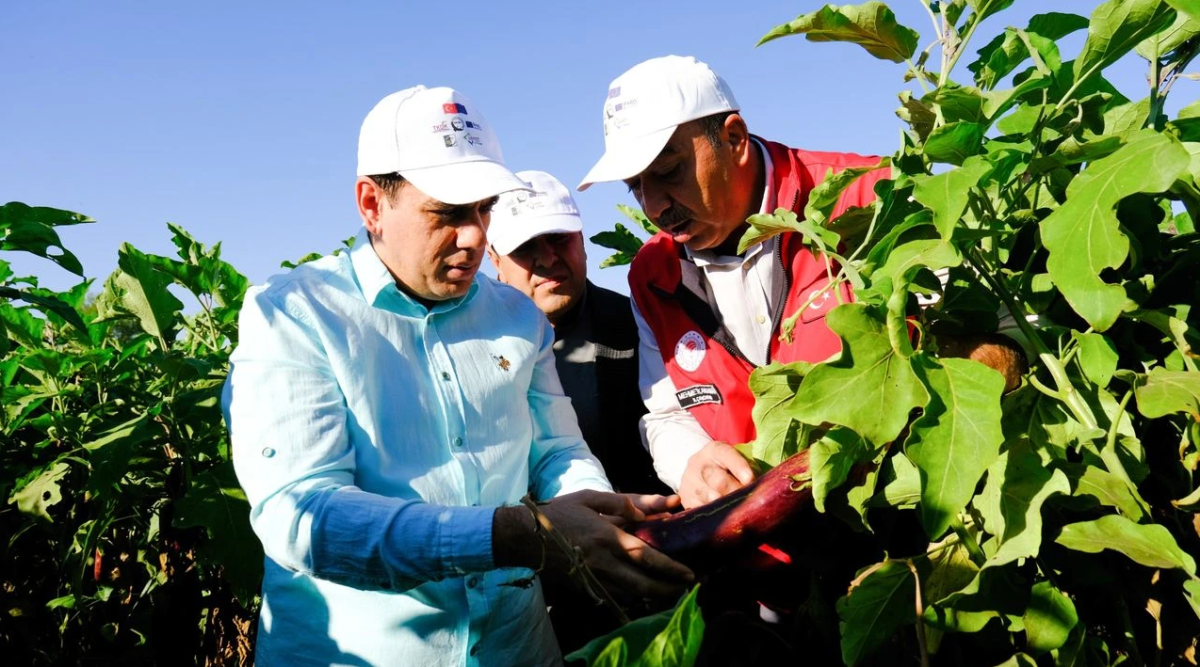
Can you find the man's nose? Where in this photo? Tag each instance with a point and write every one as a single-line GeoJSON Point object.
{"type": "Point", "coordinates": [653, 198]}
{"type": "Point", "coordinates": [546, 255]}
{"type": "Point", "coordinates": [472, 233]}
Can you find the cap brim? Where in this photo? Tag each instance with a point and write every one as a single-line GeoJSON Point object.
{"type": "Point", "coordinates": [628, 158]}
{"type": "Point", "coordinates": [464, 182]}
{"type": "Point", "coordinates": [548, 224]}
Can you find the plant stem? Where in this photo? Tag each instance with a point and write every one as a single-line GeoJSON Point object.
{"type": "Point", "coordinates": [920, 608]}
{"type": "Point", "coordinates": [1109, 453]}
{"type": "Point", "coordinates": [968, 541]}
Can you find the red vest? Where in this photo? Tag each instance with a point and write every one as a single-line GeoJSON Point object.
{"type": "Point", "coordinates": [709, 372]}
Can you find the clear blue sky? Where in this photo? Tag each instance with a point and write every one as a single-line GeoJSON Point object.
{"type": "Point", "coordinates": [239, 120]}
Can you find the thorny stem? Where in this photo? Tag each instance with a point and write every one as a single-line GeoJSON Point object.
{"type": "Point", "coordinates": [920, 608]}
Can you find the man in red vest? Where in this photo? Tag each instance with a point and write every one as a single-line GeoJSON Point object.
{"type": "Point", "coordinates": [708, 315]}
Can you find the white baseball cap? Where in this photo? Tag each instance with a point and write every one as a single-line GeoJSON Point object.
{"type": "Point", "coordinates": [646, 104]}
{"type": "Point", "coordinates": [520, 216]}
{"type": "Point", "coordinates": [437, 139]}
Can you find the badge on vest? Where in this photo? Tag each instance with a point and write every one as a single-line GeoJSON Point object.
{"type": "Point", "coordinates": [700, 394]}
{"type": "Point", "coordinates": [689, 351]}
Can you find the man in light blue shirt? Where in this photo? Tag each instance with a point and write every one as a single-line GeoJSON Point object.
{"type": "Point", "coordinates": [389, 408]}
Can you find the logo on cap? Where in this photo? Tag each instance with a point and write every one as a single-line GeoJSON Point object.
{"type": "Point", "coordinates": [456, 123]}
{"type": "Point", "coordinates": [472, 139]}
{"type": "Point", "coordinates": [474, 126]}
{"type": "Point", "coordinates": [442, 127]}
{"type": "Point", "coordinates": [450, 140]}
{"type": "Point", "coordinates": [689, 351]}
{"type": "Point", "coordinates": [454, 107]}
{"type": "Point", "coordinates": [614, 92]}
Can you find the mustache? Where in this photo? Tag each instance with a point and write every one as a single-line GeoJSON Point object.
{"type": "Point", "coordinates": [673, 216]}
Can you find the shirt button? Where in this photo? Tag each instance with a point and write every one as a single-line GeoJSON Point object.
{"type": "Point", "coordinates": [472, 582]}
{"type": "Point", "coordinates": [268, 452]}
{"type": "Point", "coordinates": [760, 319]}
{"type": "Point", "coordinates": [445, 376]}
{"type": "Point", "coordinates": [458, 442]}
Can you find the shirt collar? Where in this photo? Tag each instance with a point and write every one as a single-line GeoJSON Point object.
{"type": "Point", "coordinates": [379, 286]}
{"type": "Point", "coordinates": [769, 198]}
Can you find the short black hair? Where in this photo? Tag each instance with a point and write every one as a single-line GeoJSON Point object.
{"type": "Point", "coordinates": [712, 126]}
{"type": "Point", "coordinates": [389, 183]}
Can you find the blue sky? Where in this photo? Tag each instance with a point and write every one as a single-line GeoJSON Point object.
{"type": "Point", "coordinates": [239, 121]}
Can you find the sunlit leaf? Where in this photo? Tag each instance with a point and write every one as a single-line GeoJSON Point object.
{"type": "Point", "coordinates": [881, 604]}
{"type": "Point", "coordinates": [1116, 27]}
{"type": "Point", "coordinates": [871, 25]}
{"type": "Point", "coordinates": [1149, 544]}
{"type": "Point", "coordinates": [1017, 487]}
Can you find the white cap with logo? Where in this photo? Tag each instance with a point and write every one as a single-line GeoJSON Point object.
{"type": "Point", "coordinates": [438, 140]}
{"type": "Point", "coordinates": [520, 216]}
{"type": "Point", "coordinates": [646, 104]}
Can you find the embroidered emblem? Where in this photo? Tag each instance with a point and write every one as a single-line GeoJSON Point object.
{"type": "Point", "coordinates": [819, 300]}
{"type": "Point", "coordinates": [689, 351]}
{"type": "Point", "coordinates": [503, 363]}
{"type": "Point", "coordinates": [701, 394]}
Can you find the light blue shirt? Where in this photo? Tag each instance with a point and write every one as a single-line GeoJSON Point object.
{"type": "Point", "coordinates": [374, 439]}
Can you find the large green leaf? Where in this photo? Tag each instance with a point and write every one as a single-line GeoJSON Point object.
{"type": "Point", "coordinates": [1083, 235]}
{"type": "Point", "coordinates": [1049, 619]}
{"type": "Point", "coordinates": [665, 639]}
{"type": "Point", "coordinates": [995, 592]}
{"type": "Point", "coordinates": [1116, 27]}
{"type": "Point", "coordinates": [215, 502]}
{"type": "Point", "coordinates": [1191, 592]}
{"type": "Point", "coordinates": [869, 388]}
{"type": "Point", "coordinates": [1163, 392]}
{"type": "Point", "coordinates": [901, 483]}
{"type": "Point", "coordinates": [636, 215]}
{"type": "Point", "coordinates": [46, 304]}
{"type": "Point", "coordinates": [956, 438]}
{"type": "Point", "coordinates": [1018, 485]}
{"type": "Point", "coordinates": [1189, 7]}
{"type": "Point", "coordinates": [871, 25]}
{"type": "Point", "coordinates": [776, 432]}
{"type": "Point", "coordinates": [985, 8]}
{"type": "Point", "coordinates": [946, 194]}
{"type": "Point", "coordinates": [1149, 544]}
{"type": "Point", "coordinates": [144, 294]}
{"type": "Point", "coordinates": [881, 603]}
{"type": "Point", "coordinates": [824, 197]}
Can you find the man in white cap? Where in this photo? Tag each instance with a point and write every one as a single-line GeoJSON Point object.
{"type": "Point", "coordinates": [707, 315]}
{"type": "Point", "coordinates": [388, 409]}
{"type": "Point", "coordinates": [535, 242]}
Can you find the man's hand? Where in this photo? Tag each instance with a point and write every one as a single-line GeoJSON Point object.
{"type": "Point", "coordinates": [712, 472]}
{"type": "Point", "coordinates": [625, 565]}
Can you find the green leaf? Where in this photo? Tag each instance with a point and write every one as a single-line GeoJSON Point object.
{"type": "Point", "coordinates": [1116, 27]}
{"type": "Point", "coordinates": [953, 143]}
{"type": "Point", "coordinates": [956, 438]}
{"type": "Point", "coordinates": [917, 114]}
{"type": "Point", "coordinates": [869, 388]}
{"type": "Point", "coordinates": [946, 194]}
{"type": "Point", "coordinates": [832, 457]}
{"type": "Point", "coordinates": [1019, 660]}
{"type": "Point", "coordinates": [907, 258]}
{"type": "Point", "coordinates": [31, 235]}
{"type": "Point", "coordinates": [1108, 489]}
{"type": "Point", "coordinates": [144, 294]}
{"type": "Point", "coordinates": [635, 215]}
{"type": "Point", "coordinates": [1189, 7]}
{"type": "Point", "coordinates": [1097, 357]}
{"type": "Point", "coordinates": [774, 386]}
{"type": "Point", "coordinates": [902, 483]}
{"type": "Point", "coordinates": [985, 8]}
{"type": "Point", "coordinates": [1191, 592]}
{"type": "Point", "coordinates": [42, 492]}
{"type": "Point", "coordinates": [64, 602]}
{"type": "Point", "coordinates": [872, 611]}
{"type": "Point", "coordinates": [1018, 485]}
{"type": "Point", "coordinates": [1004, 53]}
{"type": "Point", "coordinates": [671, 638]}
{"type": "Point", "coordinates": [763, 226]}
{"type": "Point", "coordinates": [1157, 46]}
{"type": "Point", "coordinates": [1148, 544]}
{"type": "Point", "coordinates": [1164, 392]}
{"type": "Point", "coordinates": [46, 304]}
{"type": "Point", "coordinates": [871, 25]}
{"type": "Point", "coordinates": [215, 502]}
{"type": "Point", "coordinates": [1083, 235]}
{"type": "Point", "coordinates": [995, 592]}
{"type": "Point", "coordinates": [824, 197]}
{"type": "Point", "coordinates": [1049, 619]}
{"type": "Point", "coordinates": [620, 239]}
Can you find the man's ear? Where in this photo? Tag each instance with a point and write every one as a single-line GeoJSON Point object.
{"type": "Point", "coordinates": [491, 252]}
{"type": "Point", "coordinates": [370, 199]}
{"type": "Point", "coordinates": [738, 136]}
